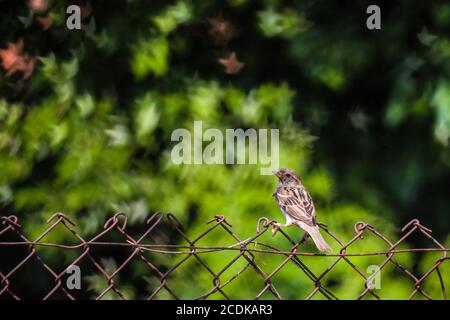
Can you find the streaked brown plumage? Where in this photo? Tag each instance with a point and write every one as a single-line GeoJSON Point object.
{"type": "Point", "coordinates": [297, 206]}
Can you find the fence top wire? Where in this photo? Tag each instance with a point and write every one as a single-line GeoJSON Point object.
{"type": "Point", "coordinates": [246, 250]}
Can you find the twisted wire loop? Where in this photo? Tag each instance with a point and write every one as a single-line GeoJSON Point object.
{"type": "Point", "coordinates": [144, 249]}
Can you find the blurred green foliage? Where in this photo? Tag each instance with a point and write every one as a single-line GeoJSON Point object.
{"type": "Point", "coordinates": [364, 118]}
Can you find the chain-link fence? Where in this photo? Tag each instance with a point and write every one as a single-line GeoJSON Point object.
{"type": "Point", "coordinates": [13, 240]}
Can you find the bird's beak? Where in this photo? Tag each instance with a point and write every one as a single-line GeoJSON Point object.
{"type": "Point", "coordinates": [277, 173]}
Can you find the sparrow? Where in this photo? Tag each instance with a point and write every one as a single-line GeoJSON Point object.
{"type": "Point", "coordinates": [297, 206]}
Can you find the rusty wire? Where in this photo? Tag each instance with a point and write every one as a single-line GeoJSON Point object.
{"type": "Point", "coordinates": [245, 249]}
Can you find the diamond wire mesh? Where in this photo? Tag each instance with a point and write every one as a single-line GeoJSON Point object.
{"type": "Point", "coordinates": [245, 249]}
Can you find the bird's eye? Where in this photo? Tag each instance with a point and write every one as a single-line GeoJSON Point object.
{"type": "Point", "coordinates": [288, 175]}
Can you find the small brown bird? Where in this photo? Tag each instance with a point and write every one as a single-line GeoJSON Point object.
{"type": "Point", "coordinates": [297, 206]}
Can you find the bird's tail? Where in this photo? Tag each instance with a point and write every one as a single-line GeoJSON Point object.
{"type": "Point", "coordinates": [319, 241]}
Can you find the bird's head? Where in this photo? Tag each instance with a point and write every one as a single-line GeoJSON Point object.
{"type": "Point", "coordinates": [287, 176]}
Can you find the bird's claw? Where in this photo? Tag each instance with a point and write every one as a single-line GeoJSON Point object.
{"type": "Point", "coordinates": [304, 238]}
{"type": "Point", "coordinates": [275, 229]}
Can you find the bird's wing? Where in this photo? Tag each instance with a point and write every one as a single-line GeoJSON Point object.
{"type": "Point", "coordinates": [297, 203]}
